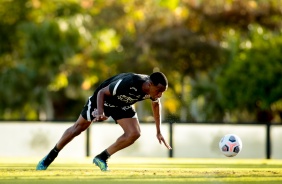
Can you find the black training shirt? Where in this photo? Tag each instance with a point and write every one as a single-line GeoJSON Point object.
{"type": "Point", "coordinates": [125, 89]}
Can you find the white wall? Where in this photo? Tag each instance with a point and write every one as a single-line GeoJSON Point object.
{"type": "Point", "coordinates": [202, 140]}
{"type": "Point", "coordinates": [276, 138]}
{"type": "Point", "coordinates": [190, 140]}
{"type": "Point", "coordinates": [36, 139]}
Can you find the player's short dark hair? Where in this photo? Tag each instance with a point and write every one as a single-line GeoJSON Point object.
{"type": "Point", "coordinates": [158, 78]}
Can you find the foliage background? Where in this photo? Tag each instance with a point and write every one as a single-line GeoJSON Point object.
{"type": "Point", "coordinates": [222, 58]}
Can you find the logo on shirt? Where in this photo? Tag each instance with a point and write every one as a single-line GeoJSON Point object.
{"type": "Point", "coordinates": [133, 88]}
{"type": "Point", "coordinates": [138, 96]}
{"type": "Point", "coordinates": [126, 99]}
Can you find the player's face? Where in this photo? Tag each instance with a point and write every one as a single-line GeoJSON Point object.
{"type": "Point", "coordinates": [157, 91]}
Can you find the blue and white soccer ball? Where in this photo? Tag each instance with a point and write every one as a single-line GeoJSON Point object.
{"type": "Point", "coordinates": [230, 145]}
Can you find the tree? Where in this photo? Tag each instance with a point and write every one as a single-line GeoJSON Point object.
{"type": "Point", "coordinates": [253, 80]}
{"type": "Point", "coordinates": [36, 56]}
{"type": "Point", "coordinates": [230, 23]}
{"type": "Point", "coordinates": [56, 52]}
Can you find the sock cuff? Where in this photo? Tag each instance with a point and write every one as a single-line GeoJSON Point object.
{"type": "Point", "coordinates": [107, 153]}
{"type": "Point", "coordinates": [56, 149]}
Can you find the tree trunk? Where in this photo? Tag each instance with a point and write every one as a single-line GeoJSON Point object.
{"type": "Point", "coordinates": [47, 112]}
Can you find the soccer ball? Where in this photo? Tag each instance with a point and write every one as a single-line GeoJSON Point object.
{"type": "Point", "coordinates": [230, 145]}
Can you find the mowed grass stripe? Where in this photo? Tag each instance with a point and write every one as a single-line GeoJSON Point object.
{"type": "Point", "coordinates": [141, 170]}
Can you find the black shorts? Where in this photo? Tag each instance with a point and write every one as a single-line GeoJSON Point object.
{"type": "Point", "coordinates": [111, 111]}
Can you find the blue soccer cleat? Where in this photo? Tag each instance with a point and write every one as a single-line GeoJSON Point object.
{"type": "Point", "coordinates": [41, 166]}
{"type": "Point", "coordinates": [101, 164]}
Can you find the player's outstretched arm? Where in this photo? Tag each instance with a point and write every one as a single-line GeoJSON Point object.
{"type": "Point", "coordinates": [156, 107]}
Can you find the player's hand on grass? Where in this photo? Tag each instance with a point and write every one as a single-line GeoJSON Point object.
{"type": "Point", "coordinates": [99, 117]}
{"type": "Point", "coordinates": [161, 139]}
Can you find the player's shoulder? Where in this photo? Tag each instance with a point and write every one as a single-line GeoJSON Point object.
{"type": "Point", "coordinates": [140, 77]}
{"type": "Point", "coordinates": [132, 77]}
{"type": "Point", "coordinates": [124, 75]}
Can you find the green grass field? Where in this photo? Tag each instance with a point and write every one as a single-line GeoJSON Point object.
{"type": "Point", "coordinates": [143, 170]}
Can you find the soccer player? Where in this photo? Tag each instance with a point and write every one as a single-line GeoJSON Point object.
{"type": "Point", "coordinates": [115, 97]}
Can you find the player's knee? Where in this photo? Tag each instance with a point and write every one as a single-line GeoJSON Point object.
{"type": "Point", "coordinates": [134, 136]}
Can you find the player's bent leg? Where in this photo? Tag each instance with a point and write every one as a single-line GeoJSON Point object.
{"type": "Point", "coordinates": [73, 131]}
{"type": "Point", "coordinates": [131, 134]}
